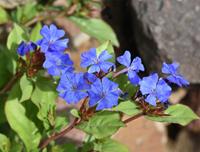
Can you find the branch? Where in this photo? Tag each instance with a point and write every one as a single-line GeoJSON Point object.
{"type": "Point", "coordinates": [55, 136]}
{"type": "Point", "coordinates": [11, 82]}
{"type": "Point", "coordinates": [133, 118]}
{"type": "Point", "coordinates": [120, 72]}
{"type": "Point", "coordinates": [45, 142]}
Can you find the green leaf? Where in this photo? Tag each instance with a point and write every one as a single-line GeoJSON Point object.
{"type": "Point", "coordinates": [35, 34]}
{"type": "Point", "coordinates": [29, 11]}
{"type": "Point", "coordinates": [102, 124]}
{"type": "Point", "coordinates": [106, 46]}
{"type": "Point", "coordinates": [4, 143]}
{"type": "Point", "coordinates": [5, 74]}
{"type": "Point", "coordinates": [3, 16]}
{"type": "Point", "coordinates": [64, 148]}
{"type": "Point", "coordinates": [24, 127]}
{"type": "Point", "coordinates": [15, 92]}
{"type": "Point", "coordinates": [24, 13]}
{"type": "Point", "coordinates": [125, 85]}
{"type": "Point", "coordinates": [17, 35]}
{"type": "Point", "coordinates": [16, 144]}
{"type": "Point", "coordinates": [26, 88]}
{"type": "Point", "coordinates": [60, 122]}
{"type": "Point", "coordinates": [127, 107]}
{"type": "Point", "coordinates": [110, 145]}
{"type": "Point", "coordinates": [75, 113]}
{"type": "Point", "coordinates": [31, 113]}
{"type": "Point", "coordinates": [96, 28]}
{"type": "Point", "coordinates": [44, 96]}
{"type": "Point", "coordinates": [2, 104]}
{"type": "Point", "coordinates": [8, 62]}
{"type": "Point", "coordinates": [178, 113]}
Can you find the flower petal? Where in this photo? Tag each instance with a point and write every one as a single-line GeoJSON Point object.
{"type": "Point", "coordinates": [125, 59]}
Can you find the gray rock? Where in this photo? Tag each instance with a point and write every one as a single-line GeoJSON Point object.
{"type": "Point", "coordinates": [13, 3]}
{"type": "Point", "coordinates": [168, 30]}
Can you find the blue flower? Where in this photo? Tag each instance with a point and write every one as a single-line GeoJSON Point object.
{"type": "Point", "coordinates": [24, 48]}
{"type": "Point", "coordinates": [154, 89]}
{"type": "Point", "coordinates": [103, 93]}
{"type": "Point", "coordinates": [51, 40]}
{"type": "Point", "coordinates": [57, 63]}
{"type": "Point", "coordinates": [132, 67]}
{"type": "Point", "coordinates": [89, 77]}
{"type": "Point", "coordinates": [96, 63]}
{"type": "Point", "coordinates": [72, 87]}
{"type": "Point", "coordinates": [174, 76]}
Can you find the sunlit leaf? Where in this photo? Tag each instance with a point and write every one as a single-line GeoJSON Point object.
{"type": "Point", "coordinates": [128, 107]}
{"type": "Point", "coordinates": [102, 124]}
{"type": "Point", "coordinates": [44, 96]}
{"type": "Point", "coordinates": [26, 88]}
{"type": "Point", "coordinates": [4, 143]}
{"type": "Point", "coordinates": [96, 28]}
{"type": "Point", "coordinates": [17, 35]}
{"type": "Point", "coordinates": [110, 145]}
{"type": "Point", "coordinates": [3, 16]}
{"type": "Point", "coordinates": [35, 34]}
{"type": "Point", "coordinates": [24, 127]}
{"type": "Point", "coordinates": [178, 113]}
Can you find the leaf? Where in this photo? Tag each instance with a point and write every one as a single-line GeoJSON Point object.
{"type": "Point", "coordinates": [4, 143]}
{"type": "Point", "coordinates": [178, 113]}
{"type": "Point", "coordinates": [44, 96]}
{"type": "Point", "coordinates": [35, 34]}
{"type": "Point", "coordinates": [60, 122]}
{"type": "Point", "coordinates": [75, 113]}
{"type": "Point", "coordinates": [15, 37]}
{"type": "Point", "coordinates": [3, 16]}
{"type": "Point", "coordinates": [15, 92]}
{"type": "Point", "coordinates": [8, 61]}
{"type": "Point", "coordinates": [110, 145]}
{"type": "Point", "coordinates": [64, 148]}
{"type": "Point", "coordinates": [127, 107]}
{"type": "Point", "coordinates": [2, 104]}
{"type": "Point", "coordinates": [102, 124]}
{"type": "Point", "coordinates": [125, 85]}
{"type": "Point", "coordinates": [5, 74]}
{"type": "Point", "coordinates": [96, 28]}
{"type": "Point", "coordinates": [29, 11]}
{"type": "Point", "coordinates": [24, 127]}
{"type": "Point", "coordinates": [31, 113]}
{"type": "Point", "coordinates": [26, 88]}
{"type": "Point", "coordinates": [24, 13]}
{"type": "Point", "coordinates": [107, 46]}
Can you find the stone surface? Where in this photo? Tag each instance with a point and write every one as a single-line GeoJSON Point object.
{"type": "Point", "coordinates": [13, 3]}
{"type": "Point", "coordinates": [168, 30]}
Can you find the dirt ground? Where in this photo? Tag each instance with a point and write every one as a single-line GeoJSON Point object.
{"type": "Point", "coordinates": [142, 135]}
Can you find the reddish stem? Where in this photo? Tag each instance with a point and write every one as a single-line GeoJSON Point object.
{"type": "Point", "coordinates": [120, 72]}
{"type": "Point", "coordinates": [45, 142]}
{"type": "Point", "coordinates": [55, 136]}
{"type": "Point", "coordinates": [11, 82]}
{"type": "Point", "coordinates": [133, 118]}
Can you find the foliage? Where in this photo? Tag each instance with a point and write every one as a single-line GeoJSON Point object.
{"type": "Point", "coordinates": [36, 70]}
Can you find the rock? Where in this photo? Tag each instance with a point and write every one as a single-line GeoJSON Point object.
{"type": "Point", "coordinates": [13, 3]}
{"type": "Point", "coordinates": [168, 30]}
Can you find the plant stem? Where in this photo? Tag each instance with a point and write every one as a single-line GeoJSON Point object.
{"type": "Point", "coordinates": [11, 82]}
{"type": "Point", "coordinates": [55, 136]}
{"type": "Point", "coordinates": [45, 142]}
{"type": "Point", "coordinates": [119, 72]}
{"type": "Point", "coordinates": [133, 118]}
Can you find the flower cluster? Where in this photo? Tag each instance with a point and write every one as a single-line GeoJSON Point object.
{"type": "Point", "coordinates": [101, 91]}
{"type": "Point", "coordinates": [53, 46]}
